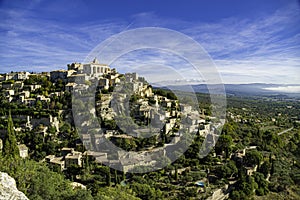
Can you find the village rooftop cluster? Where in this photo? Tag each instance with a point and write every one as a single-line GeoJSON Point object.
{"type": "Point", "coordinates": [170, 117]}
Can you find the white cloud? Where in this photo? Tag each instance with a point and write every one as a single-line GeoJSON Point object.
{"type": "Point", "coordinates": [265, 49]}
{"type": "Point", "coordinates": [288, 89]}
{"type": "Point", "coordinates": [259, 49]}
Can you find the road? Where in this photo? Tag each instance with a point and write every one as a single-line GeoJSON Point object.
{"type": "Point", "coordinates": [282, 132]}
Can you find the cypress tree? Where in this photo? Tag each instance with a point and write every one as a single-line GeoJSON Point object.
{"type": "Point", "coordinates": [116, 177]}
{"type": "Point", "coordinates": [10, 147]}
{"type": "Point", "coordinates": [123, 176]}
{"type": "Point", "coordinates": [176, 173]}
{"type": "Point", "coordinates": [108, 176]}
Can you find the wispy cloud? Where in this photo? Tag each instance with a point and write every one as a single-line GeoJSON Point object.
{"type": "Point", "coordinates": [30, 43]}
{"type": "Point", "coordinates": [263, 48]}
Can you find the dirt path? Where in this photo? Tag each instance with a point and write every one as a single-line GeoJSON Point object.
{"type": "Point", "coordinates": [282, 132]}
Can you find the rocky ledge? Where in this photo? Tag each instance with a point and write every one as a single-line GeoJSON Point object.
{"type": "Point", "coordinates": [8, 188]}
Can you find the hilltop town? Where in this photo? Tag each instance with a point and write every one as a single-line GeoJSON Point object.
{"type": "Point", "coordinates": [42, 92]}
{"type": "Point", "coordinates": [95, 126]}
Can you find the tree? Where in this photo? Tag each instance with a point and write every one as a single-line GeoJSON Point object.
{"type": "Point", "coordinates": [108, 177]}
{"type": "Point", "coordinates": [228, 129]}
{"type": "Point", "coordinates": [262, 183]}
{"type": "Point", "coordinates": [116, 177]}
{"type": "Point", "coordinates": [66, 128]}
{"type": "Point", "coordinates": [265, 168]}
{"type": "Point", "coordinates": [224, 144]}
{"type": "Point", "coordinates": [72, 171]}
{"type": "Point", "coordinates": [144, 191]}
{"type": "Point", "coordinates": [176, 173]}
{"type": "Point", "coordinates": [10, 147]}
{"type": "Point", "coordinates": [39, 105]}
{"type": "Point", "coordinates": [248, 186]}
{"type": "Point", "coordinates": [171, 95]}
{"type": "Point", "coordinates": [109, 193]}
{"type": "Point", "coordinates": [104, 171]}
{"type": "Point", "coordinates": [237, 195]}
{"type": "Point", "coordinates": [38, 182]}
{"type": "Point", "coordinates": [253, 158]}
{"type": "Point", "coordinates": [227, 170]}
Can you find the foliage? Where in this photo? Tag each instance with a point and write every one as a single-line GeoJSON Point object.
{"type": "Point", "coordinates": [166, 93]}
{"type": "Point", "coordinates": [144, 191]}
{"type": "Point", "coordinates": [38, 182]}
{"type": "Point", "coordinates": [10, 148]}
{"type": "Point", "coordinates": [224, 144]}
{"type": "Point", "coordinates": [115, 193]}
{"type": "Point", "coordinates": [253, 158]}
{"type": "Point", "coordinates": [248, 124]}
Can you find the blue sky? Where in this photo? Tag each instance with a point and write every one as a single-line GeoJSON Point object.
{"type": "Point", "coordinates": [250, 41]}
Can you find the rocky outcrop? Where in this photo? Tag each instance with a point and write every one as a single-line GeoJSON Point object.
{"type": "Point", "coordinates": [8, 188]}
{"type": "Point", "coordinates": [78, 185]}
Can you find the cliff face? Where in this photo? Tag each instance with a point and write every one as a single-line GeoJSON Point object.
{"type": "Point", "coordinates": [8, 188]}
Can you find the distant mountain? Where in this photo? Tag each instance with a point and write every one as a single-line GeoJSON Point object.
{"type": "Point", "coordinates": [252, 89]}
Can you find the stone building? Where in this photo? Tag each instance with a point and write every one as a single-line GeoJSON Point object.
{"type": "Point", "coordinates": [73, 158]}
{"type": "Point", "coordinates": [95, 68]}
{"type": "Point", "coordinates": [17, 75]}
{"type": "Point", "coordinates": [1, 145]}
{"type": "Point", "coordinates": [55, 162]}
{"type": "Point", "coordinates": [104, 83]}
{"type": "Point", "coordinates": [77, 78]}
{"type": "Point", "coordinates": [23, 150]}
{"type": "Point", "coordinates": [58, 74]}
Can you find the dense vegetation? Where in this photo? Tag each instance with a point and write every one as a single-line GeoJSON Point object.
{"type": "Point", "coordinates": [251, 122]}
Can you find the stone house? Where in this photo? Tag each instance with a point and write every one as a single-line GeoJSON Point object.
{"type": "Point", "coordinates": [66, 150]}
{"type": "Point", "coordinates": [23, 150]}
{"type": "Point", "coordinates": [74, 66]}
{"type": "Point", "coordinates": [9, 93]}
{"type": "Point", "coordinates": [86, 140]}
{"type": "Point", "coordinates": [186, 108]}
{"type": "Point", "coordinates": [166, 103]}
{"type": "Point", "coordinates": [70, 87]}
{"type": "Point", "coordinates": [17, 75]}
{"type": "Point", "coordinates": [18, 85]}
{"type": "Point", "coordinates": [69, 157]}
{"type": "Point", "coordinates": [2, 78]}
{"type": "Point", "coordinates": [43, 98]}
{"type": "Point", "coordinates": [104, 83]}
{"type": "Point", "coordinates": [22, 75]}
{"type": "Point", "coordinates": [58, 94]}
{"type": "Point", "coordinates": [1, 145]}
{"type": "Point", "coordinates": [77, 78]}
{"type": "Point", "coordinates": [7, 85]}
{"type": "Point", "coordinates": [73, 158]}
{"type": "Point", "coordinates": [42, 130]}
{"type": "Point", "coordinates": [101, 157]}
{"type": "Point", "coordinates": [55, 162]}
{"type": "Point", "coordinates": [58, 74]}
{"type": "Point", "coordinates": [30, 101]}
{"type": "Point", "coordinates": [34, 87]}
{"type": "Point", "coordinates": [78, 88]}
{"type": "Point", "coordinates": [158, 117]}
{"type": "Point", "coordinates": [26, 94]}
{"type": "Point", "coordinates": [47, 121]}
{"type": "Point", "coordinates": [95, 68]}
{"type": "Point", "coordinates": [251, 170]}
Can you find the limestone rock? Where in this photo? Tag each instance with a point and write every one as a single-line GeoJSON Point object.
{"type": "Point", "coordinates": [8, 188]}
